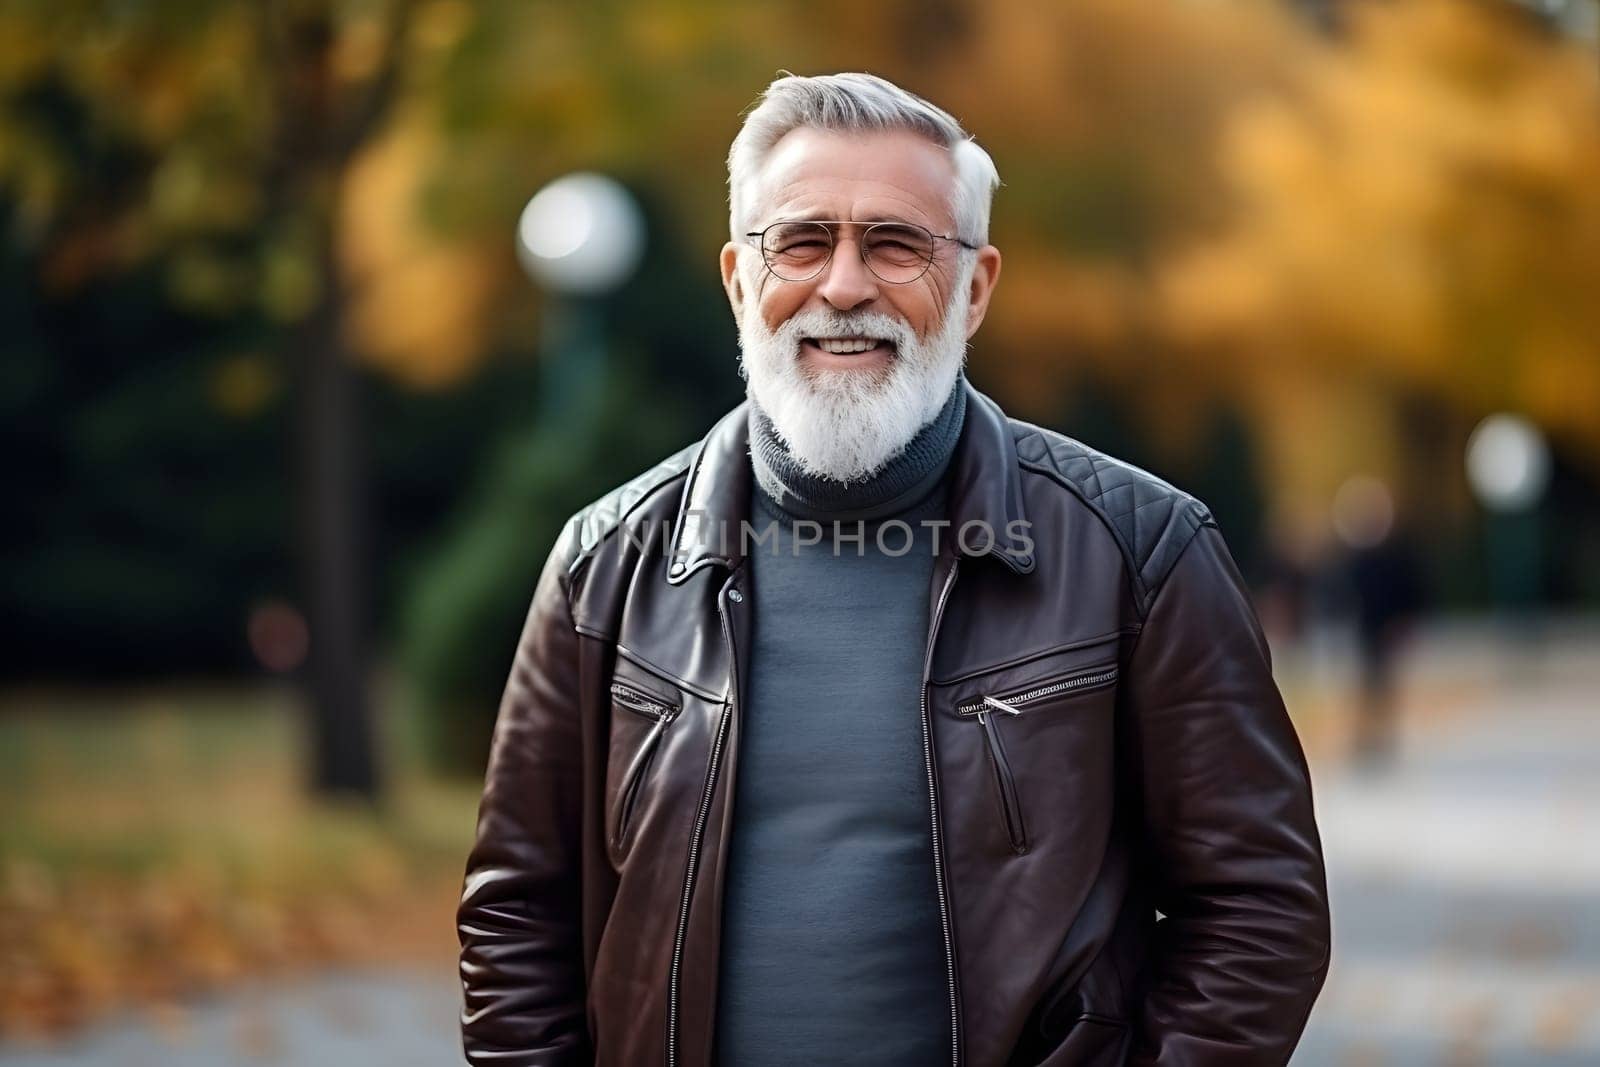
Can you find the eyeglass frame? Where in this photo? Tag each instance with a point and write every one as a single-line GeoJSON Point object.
{"type": "Point", "coordinates": [861, 246]}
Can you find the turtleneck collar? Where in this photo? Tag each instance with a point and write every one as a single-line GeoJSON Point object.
{"type": "Point", "coordinates": [900, 483]}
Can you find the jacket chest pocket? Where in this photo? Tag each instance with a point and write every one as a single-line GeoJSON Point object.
{"type": "Point", "coordinates": [640, 717]}
{"type": "Point", "coordinates": [1032, 731]}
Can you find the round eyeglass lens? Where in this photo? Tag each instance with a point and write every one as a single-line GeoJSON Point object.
{"type": "Point", "coordinates": [897, 252]}
{"type": "Point", "coordinates": [796, 251]}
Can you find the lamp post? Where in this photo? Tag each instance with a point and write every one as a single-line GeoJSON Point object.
{"type": "Point", "coordinates": [580, 238]}
{"type": "Point", "coordinates": [1508, 467]}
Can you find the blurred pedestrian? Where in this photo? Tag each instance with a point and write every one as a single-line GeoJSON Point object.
{"type": "Point", "coordinates": [1383, 585]}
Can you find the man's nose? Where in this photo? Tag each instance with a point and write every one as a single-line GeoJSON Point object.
{"type": "Point", "coordinates": [846, 282]}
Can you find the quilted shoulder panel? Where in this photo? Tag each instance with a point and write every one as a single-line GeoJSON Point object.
{"type": "Point", "coordinates": [1151, 519]}
{"type": "Point", "coordinates": [593, 523]}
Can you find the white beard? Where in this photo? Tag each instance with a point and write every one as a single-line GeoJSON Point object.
{"type": "Point", "coordinates": [846, 424]}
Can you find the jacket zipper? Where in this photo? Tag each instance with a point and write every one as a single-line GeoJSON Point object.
{"type": "Point", "coordinates": [1014, 703]}
{"type": "Point", "coordinates": [1010, 806]}
{"type": "Point", "coordinates": [984, 708]}
{"type": "Point", "coordinates": [694, 844]}
{"type": "Point", "coordinates": [933, 808]}
{"type": "Point", "coordinates": [642, 702]}
{"type": "Point", "coordinates": [661, 712]}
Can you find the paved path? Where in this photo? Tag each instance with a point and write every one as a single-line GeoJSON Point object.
{"type": "Point", "coordinates": [1466, 906]}
{"type": "Point", "coordinates": [357, 1019]}
{"type": "Point", "coordinates": [1465, 885]}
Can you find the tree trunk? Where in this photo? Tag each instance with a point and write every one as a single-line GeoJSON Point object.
{"type": "Point", "coordinates": [336, 551]}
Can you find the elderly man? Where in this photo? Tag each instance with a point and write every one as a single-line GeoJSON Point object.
{"type": "Point", "coordinates": [878, 727]}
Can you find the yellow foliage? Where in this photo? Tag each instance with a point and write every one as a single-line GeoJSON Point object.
{"type": "Point", "coordinates": [1419, 209]}
{"type": "Point", "coordinates": [419, 300]}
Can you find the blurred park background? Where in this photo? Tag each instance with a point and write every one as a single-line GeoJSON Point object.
{"type": "Point", "coordinates": [293, 427]}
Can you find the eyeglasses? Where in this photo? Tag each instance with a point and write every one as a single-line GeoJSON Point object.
{"type": "Point", "coordinates": [896, 252]}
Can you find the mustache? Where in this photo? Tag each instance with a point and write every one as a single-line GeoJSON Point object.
{"type": "Point", "coordinates": [816, 322]}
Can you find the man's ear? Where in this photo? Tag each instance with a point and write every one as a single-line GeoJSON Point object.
{"type": "Point", "coordinates": [732, 284]}
{"type": "Point", "coordinates": [985, 275]}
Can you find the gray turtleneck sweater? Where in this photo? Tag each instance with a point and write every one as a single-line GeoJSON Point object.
{"type": "Point", "coordinates": [832, 950]}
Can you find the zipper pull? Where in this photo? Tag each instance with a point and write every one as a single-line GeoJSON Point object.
{"type": "Point", "coordinates": [999, 705]}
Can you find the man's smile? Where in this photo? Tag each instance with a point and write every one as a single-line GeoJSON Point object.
{"type": "Point", "coordinates": [846, 351]}
{"type": "Point", "coordinates": [844, 346]}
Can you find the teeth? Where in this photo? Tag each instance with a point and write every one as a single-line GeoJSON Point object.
{"type": "Point", "coordinates": [844, 346]}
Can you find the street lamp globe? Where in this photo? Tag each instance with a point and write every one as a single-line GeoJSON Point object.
{"type": "Point", "coordinates": [582, 234]}
{"type": "Point", "coordinates": [1508, 463]}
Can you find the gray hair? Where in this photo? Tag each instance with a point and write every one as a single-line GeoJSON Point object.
{"type": "Point", "coordinates": [857, 102]}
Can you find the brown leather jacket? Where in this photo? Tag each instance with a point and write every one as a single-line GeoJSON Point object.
{"type": "Point", "coordinates": [1149, 765]}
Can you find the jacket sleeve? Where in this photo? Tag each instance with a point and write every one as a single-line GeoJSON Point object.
{"type": "Point", "coordinates": [1230, 835]}
{"type": "Point", "coordinates": [519, 919]}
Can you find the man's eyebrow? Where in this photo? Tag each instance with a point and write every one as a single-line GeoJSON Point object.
{"type": "Point", "coordinates": [865, 220]}
{"type": "Point", "coordinates": [887, 218]}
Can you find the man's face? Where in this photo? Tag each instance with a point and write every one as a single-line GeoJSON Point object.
{"type": "Point", "coordinates": [845, 413]}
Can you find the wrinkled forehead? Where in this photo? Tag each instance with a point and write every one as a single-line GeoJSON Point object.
{"type": "Point", "coordinates": [858, 176]}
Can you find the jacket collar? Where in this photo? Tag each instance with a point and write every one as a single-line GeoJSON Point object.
{"type": "Point", "coordinates": [984, 486]}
